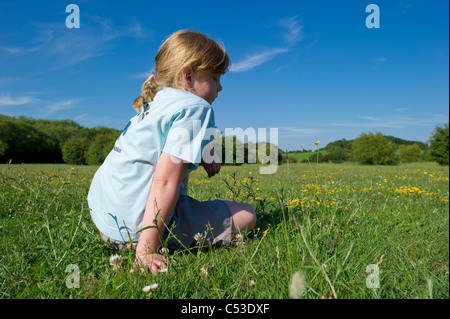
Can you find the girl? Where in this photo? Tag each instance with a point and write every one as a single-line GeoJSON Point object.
{"type": "Point", "coordinates": [143, 180]}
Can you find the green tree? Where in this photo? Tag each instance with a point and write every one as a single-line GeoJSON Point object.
{"type": "Point", "coordinates": [231, 149]}
{"type": "Point", "coordinates": [100, 148]}
{"type": "Point", "coordinates": [74, 150]}
{"type": "Point", "coordinates": [23, 143]}
{"type": "Point", "coordinates": [374, 149]}
{"type": "Point", "coordinates": [335, 154]}
{"type": "Point", "coordinates": [59, 130]}
{"type": "Point", "coordinates": [439, 145]}
{"type": "Point", "coordinates": [3, 147]}
{"type": "Point", "coordinates": [409, 153]}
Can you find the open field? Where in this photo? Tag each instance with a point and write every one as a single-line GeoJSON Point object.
{"type": "Point", "coordinates": [354, 231]}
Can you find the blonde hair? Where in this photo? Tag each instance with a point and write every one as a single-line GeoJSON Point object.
{"type": "Point", "coordinates": [182, 48]}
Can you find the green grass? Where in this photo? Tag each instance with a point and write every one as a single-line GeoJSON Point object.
{"type": "Point", "coordinates": [305, 156]}
{"type": "Point", "coordinates": [330, 221]}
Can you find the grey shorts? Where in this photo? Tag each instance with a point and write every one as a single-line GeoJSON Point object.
{"type": "Point", "coordinates": [212, 220]}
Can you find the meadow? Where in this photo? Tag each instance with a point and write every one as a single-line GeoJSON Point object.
{"type": "Point", "coordinates": [350, 231]}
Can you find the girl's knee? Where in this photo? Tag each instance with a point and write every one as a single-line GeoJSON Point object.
{"type": "Point", "coordinates": [250, 214]}
{"type": "Point", "coordinates": [244, 216]}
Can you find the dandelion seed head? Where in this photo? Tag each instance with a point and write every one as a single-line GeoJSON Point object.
{"type": "Point", "coordinates": [205, 269]}
{"type": "Point", "coordinates": [297, 284]}
{"type": "Point", "coordinates": [198, 238]}
{"type": "Point", "coordinates": [115, 261]}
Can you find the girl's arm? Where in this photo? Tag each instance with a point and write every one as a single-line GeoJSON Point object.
{"type": "Point", "coordinates": [169, 173]}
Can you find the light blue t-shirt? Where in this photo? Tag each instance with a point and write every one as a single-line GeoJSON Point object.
{"type": "Point", "coordinates": [175, 122]}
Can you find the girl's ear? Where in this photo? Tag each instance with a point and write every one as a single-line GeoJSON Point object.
{"type": "Point", "coordinates": [186, 77]}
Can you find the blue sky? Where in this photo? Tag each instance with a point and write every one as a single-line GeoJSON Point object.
{"type": "Point", "coordinates": [311, 69]}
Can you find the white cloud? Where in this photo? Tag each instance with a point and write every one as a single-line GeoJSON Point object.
{"type": "Point", "coordinates": [370, 118]}
{"type": "Point", "coordinates": [9, 101]}
{"type": "Point", "coordinates": [18, 50]}
{"type": "Point", "coordinates": [95, 37]}
{"type": "Point", "coordinates": [136, 30]}
{"type": "Point", "coordinates": [255, 60]}
{"type": "Point", "coordinates": [12, 50]}
{"type": "Point", "coordinates": [293, 34]}
{"type": "Point", "coordinates": [62, 105]}
{"type": "Point", "coordinates": [375, 122]}
{"type": "Point", "coordinates": [143, 75]}
{"type": "Point", "coordinates": [296, 132]}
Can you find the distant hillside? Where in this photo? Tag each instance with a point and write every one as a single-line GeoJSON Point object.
{"type": "Point", "coordinates": [27, 140]}
{"type": "Point", "coordinates": [341, 151]}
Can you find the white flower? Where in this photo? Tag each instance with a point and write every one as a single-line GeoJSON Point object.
{"type": "Point", "coordinates": [251, 282]}
{"type": "Point", "coordinates": [164, 251]}
{"type": "Point", "coordinates": [163, 270]}
{"type": "Point", "coordinates": [297, 284]}
{"type": "Point", "coordinates": [115, 261]}
{"type": "Point", "coordinates": [151, 287]}
{"type": "Point", "coordinates": [199, 237]}
{"type": "Point", "coordinates": [205, 269]}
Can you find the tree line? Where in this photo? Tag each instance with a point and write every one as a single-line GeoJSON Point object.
{"type": "Point", "coordinates": [28, 140]}
{"type": "Point", "coordinates": [378, 149]}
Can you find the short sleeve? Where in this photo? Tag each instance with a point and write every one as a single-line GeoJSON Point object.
{"type": "Point", "coordinates": [191, 130]}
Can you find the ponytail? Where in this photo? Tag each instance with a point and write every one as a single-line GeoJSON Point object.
{"type": "Point", "coordinates": [149, 90]}
{"type": "Point", "coordinates": [137, 104]}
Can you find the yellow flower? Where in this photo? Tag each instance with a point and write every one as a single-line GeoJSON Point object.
{"type": "Point", "coordinates": [317, 143]}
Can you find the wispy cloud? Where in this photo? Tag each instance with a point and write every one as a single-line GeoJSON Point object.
{"type": "Point", "coordinates": [143, 75]}
{"type": "Point", "coordinates": [289, 131]}
{"type": "Point", "coordinates": [62, 105]}
{"type": "Point", "coordinates": [94, 38]}
{"type": "Point", "coordinates": [17, 50]}
{"type": "Point", "coordinates": [136, 30]}
{"type": "Point", "coordinates": [7, 100]}
{"type": "Point", "coordinates": [293, 34]}
{"type": "Point", "coordinates": [370, 118]}
{"type": "Point", "coordinates": [294, 29]}
{"type": "Point", "coordinates": [257, 59]}
{"type": "Point", "coordinates": [401, 122]}
{"type": "Point", "coordinates": [379, 60]}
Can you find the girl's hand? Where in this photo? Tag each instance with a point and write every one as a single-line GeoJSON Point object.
{"type": "Point", "coordinates": [149, 262]}
{"type": "Point", "coordinates": [214, 164]}
{"type": "Point", "coordinates": [212, 168]}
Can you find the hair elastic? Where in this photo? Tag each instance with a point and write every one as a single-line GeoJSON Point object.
{"type": "Point", "coordinates": [154, 73]}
